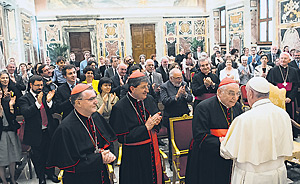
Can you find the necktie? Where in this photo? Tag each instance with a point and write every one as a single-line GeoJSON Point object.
{"type": "Point", "coordinates": [44, 115]}
{"type": "Point", "coordinates": [150, 77]}
{"type": "Point", "coordinates": [12, 77]}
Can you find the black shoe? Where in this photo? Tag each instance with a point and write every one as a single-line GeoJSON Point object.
{"type": "Point", "coordinates": [53, 178]}
{"type": "Point", "coordinates": [161, 143]}
{"type": "Point", "coordinates": [42, 181]}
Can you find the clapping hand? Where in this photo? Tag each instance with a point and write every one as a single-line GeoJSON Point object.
{"type": "Point", "coordinates": [12, 101]}
{"type": "Point", "coordinates": [113, 96]}
{"type": "Point", "coordinates": [40, 97]}
{"type": "Point", "coordinates": [153, 120]}
{"type": "Point", "coordinates": [50, 95]}
{"type": "Point", "coordinates": [105, 98]}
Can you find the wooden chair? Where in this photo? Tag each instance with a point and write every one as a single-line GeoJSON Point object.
{"type": "Point", "coordinates": [26, 149]}
{"type": "Point", "coordinates": [181, 136]}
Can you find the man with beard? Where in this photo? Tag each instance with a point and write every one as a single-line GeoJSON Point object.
{"type": "Point", "coordinates": [212, 118]}
{"type": "Point", "coordinates": [175, 96]}
{"type": "Point", "coordinates": [36, 107]}
{"type": "Point", "coordinates": [135, 119]}
{"type": "Point", "coordinates": [45, 72]}
{"type": "Point", "coordinates": [204, 83]}
{"type": "Point", "coordinates": [79, 145]}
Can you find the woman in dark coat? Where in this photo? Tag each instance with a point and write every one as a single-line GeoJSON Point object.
{"type": "Point", "coordinates": [10, 146]}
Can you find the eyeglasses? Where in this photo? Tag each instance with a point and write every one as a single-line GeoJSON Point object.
{"type": "Point", "coordinates": [89, 99]}
{"type": "Point", "coordinates": [231, 93]}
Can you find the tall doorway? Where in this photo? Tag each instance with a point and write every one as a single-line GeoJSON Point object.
{"type": "Point", "coordinates": [143, 40]}
{"type": "Point", "coordinates": [79, 42]}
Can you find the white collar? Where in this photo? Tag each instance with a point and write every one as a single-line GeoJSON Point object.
{"type": "Point", "coordinates": [134, 97]}
{"type": "Point", "coordinates": [261, 102]}
{"type": "Point", "coordinates": [222, 102]}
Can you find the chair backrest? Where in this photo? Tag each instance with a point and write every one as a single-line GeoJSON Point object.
{"type": "Point", "coordinates": [181, 131]}
{"type": "Point", "coordinates": [243, 92]}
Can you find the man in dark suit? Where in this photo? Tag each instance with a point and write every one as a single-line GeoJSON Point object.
{"type": "Point", "coordinates": [119, 80]}
{"type": "Point", "coordinates": [16, 80]}
{"type": "Point", "coordinates": [107, 65]}
{"type": "Point", "coordinates": [197, 54]}
{"type": "Point", "coordinates": [296, 62]}
{"type": "Point", "coordinates": [175, 96]}
{"type": "Point", "coordinates": [163, 69]}
{"type": "Point", "coordinates": [63, 93]}
{"type": "Point", "coordinates": [180, 57]}
{"type": "Point", "coordinates": [214, 55]}
{"type": "Point", "coordinates": [273, 55]}
{"type": "Point", "coordinates": [36, 107]}
{"type": "Point", "coordinates": [45, 72]}
{"type": "Point", "coordinates": [154, 78]}
{"type": "Point", "coordinates": [112, 71]}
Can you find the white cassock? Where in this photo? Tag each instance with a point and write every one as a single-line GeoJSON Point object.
{"type": "Point", "coordinates": [257, 141]}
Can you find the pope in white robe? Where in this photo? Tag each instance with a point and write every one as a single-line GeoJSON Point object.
{"type": "Point", "coordinates": [259, 139]}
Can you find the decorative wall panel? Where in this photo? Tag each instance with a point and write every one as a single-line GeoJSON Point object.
{"type": "Point", "coordinates": [179, 32]}
{"type": "Point", "coordinates": [111, 38]}
{"type": "Point", "coordinates": [290, 11]}
{"type": "Point", "coordinates": [236, 28]}
{"type": "Point", "coordinates": [290, 37]}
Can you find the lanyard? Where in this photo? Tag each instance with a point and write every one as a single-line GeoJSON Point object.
{"type": "Point", "coordinates": [94, 140]}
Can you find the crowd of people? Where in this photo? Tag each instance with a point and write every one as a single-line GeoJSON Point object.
{"type": "Point", "coordinates": [113, 100]}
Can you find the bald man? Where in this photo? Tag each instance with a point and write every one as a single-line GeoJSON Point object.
{"type": "Point", "coordinates": [284, 76]}
{"type": "Point", "coordinates": [258, 140]}
{"type": "Point", "coordinates": [212, 118]}
{"type": "Point", "coordinates": [119, 79]}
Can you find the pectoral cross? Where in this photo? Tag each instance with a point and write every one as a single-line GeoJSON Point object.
{"type": "Point", "coordinates": [284, 84]}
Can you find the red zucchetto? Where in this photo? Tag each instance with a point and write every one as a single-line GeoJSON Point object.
{"type": "Point", "coordinates": [79, 88]}
{"type": "Point", "coordinates": [136, 74]}
{"type": "Point", "coordinates": [226, 81]}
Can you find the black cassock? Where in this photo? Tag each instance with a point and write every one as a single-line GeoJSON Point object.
{"type": "Point", "coordinates": [205, 165]}
{"type": "Point", "coordinates": [72, 149]}
{"type": "Point", "coordinates": [274, 76]}
{"type": "Point", "coordinates": [139, 153]}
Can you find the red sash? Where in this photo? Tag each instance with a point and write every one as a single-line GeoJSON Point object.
{"type": "Point", "coordinates": [158, 166]}
{"type": "Point", "coordinates": [287, 87]}
{"type": "Point", "coordinates": [219, 132]}
{"type": "Point", "coordinates": [153, 139]}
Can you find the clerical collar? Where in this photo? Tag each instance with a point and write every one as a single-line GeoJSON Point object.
{"type": "Point", "coordinates": [82, 117]}
{"type": "Point", "coordinates": [261, 102]}
{"type": "Point", "coordinates": [284, 67]}
{"type": "Point", "coordinates": [222, 102]}
{"type": "Point", "coordinates": [130, 95]}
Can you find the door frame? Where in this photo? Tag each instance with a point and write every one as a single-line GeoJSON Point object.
{"type": "Point", "coordinates": [89, 28]}
{"type": "Point", "coordinates": [159, 38]}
